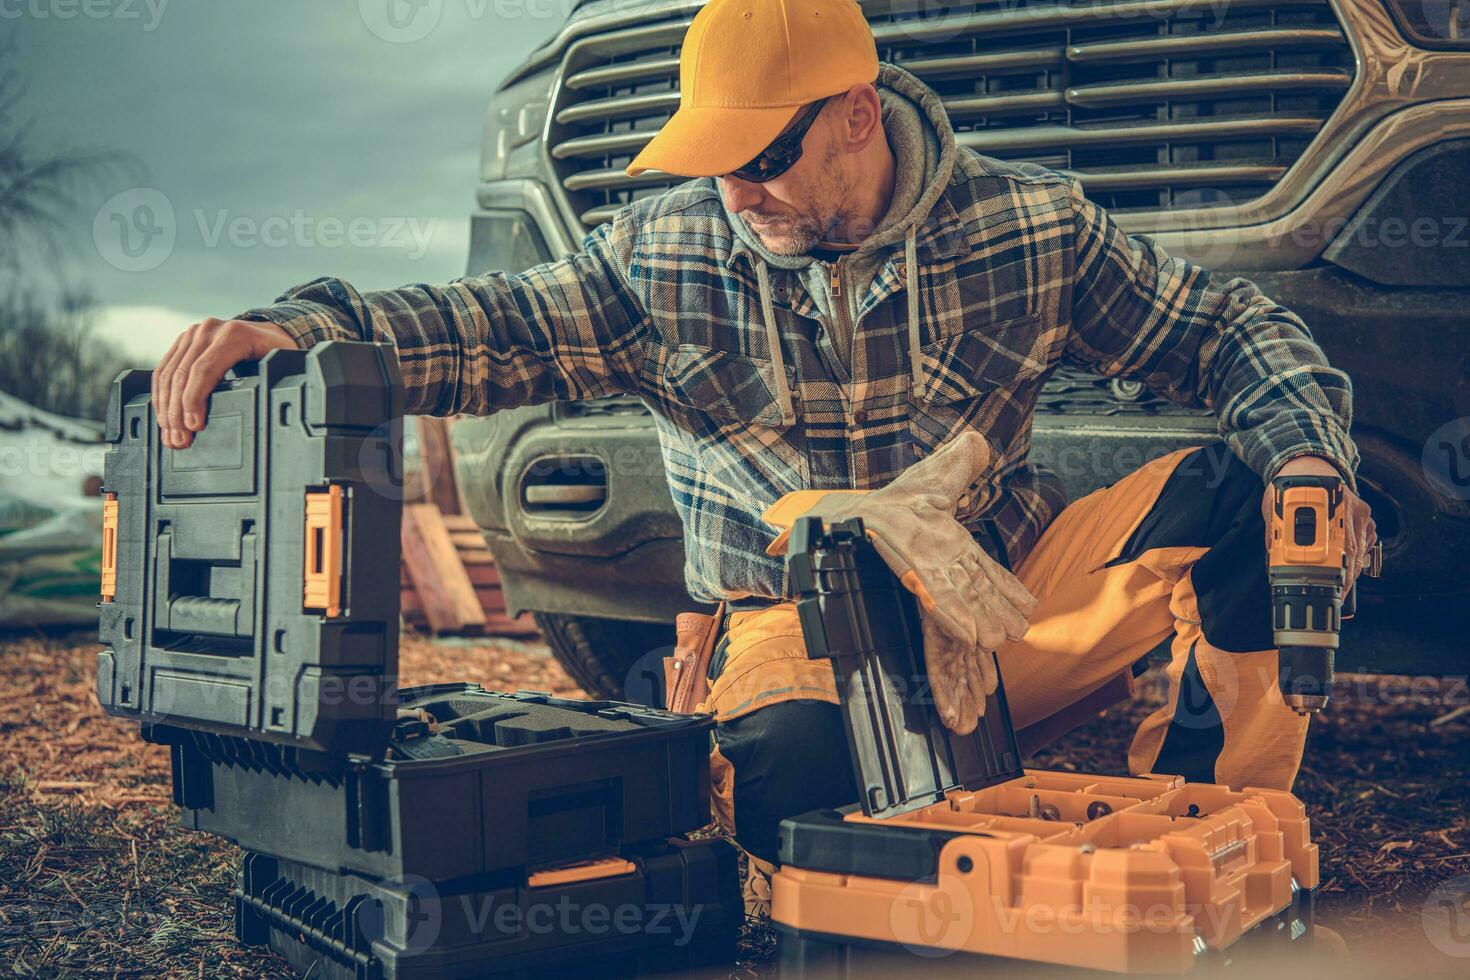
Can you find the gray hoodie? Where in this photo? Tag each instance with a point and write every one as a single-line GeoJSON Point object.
{"type": "Point", "coordinates": [919, 133]}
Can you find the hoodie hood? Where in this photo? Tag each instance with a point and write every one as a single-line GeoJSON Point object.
{"type": "Point", "coordinates": [923, 144]}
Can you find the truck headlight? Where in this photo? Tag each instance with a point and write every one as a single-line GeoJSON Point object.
{"type": "Point", "coordinates": [504, 241]}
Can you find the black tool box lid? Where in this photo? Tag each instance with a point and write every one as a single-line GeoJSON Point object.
{"type": "Point", "coordinates": [854, 611]}
{"type": "Point", "coordinates": [250, 581]}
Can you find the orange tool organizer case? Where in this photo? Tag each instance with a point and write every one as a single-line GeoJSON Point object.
{"type": "Point", "coordinates": [955, 848]}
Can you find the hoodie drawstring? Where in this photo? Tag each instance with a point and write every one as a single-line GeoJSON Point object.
{"type": "Point", "coordinates": [911, 286]}
{"type": "Point", "coordinates": [773, 340]}
{"type": "Point", "coordinates": [773, 335]}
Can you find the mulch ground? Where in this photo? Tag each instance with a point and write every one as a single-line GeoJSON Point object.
{"type": "Point", "coordinates": [97, 879]}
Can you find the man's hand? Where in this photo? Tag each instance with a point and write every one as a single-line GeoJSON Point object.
{"type": "Point", "coordinates": [196, 362]}
{"type": "Point", "coordinates": [971, 604]}
{"type": "Point", "coordinates": [1358, 526]}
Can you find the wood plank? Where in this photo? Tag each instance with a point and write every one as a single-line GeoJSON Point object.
{"type": "Point", "coordinates": [461, 522]}
{"type": "Point", "coordinates": [439, 578]}
{"type": "Point", "coordinates": [476, 556]}
{"type": "Point", "coordinates": [483, 576]}
{"type": "Point", "coordinates": [467, 540]}
{"type": "Point", "coordinates": [436, 460]}
{"type": "Point", "coordinates": [523, 626]}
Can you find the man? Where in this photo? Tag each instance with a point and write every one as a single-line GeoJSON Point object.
{"type": "Point", "coordinates": [847, 300]}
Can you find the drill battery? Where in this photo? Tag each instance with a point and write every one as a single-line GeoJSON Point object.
{"type": "Point", "coordinates": [954, 848]}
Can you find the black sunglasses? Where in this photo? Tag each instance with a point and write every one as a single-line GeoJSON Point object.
{"type": "Point", "coordinates": [784, 150]}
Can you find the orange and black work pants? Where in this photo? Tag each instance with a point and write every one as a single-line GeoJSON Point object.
{"type": "Point", "coordinates": [1173, 552]}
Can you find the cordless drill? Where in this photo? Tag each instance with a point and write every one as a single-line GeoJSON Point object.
{"type": "Point", "coordinates": [1309, 594]}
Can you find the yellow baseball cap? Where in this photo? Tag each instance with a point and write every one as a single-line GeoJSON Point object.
{"type": "Point", "coordinates": [745, 69]}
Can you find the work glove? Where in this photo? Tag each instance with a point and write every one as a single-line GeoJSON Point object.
{"type": "Point", "coordinates": [970, 603]}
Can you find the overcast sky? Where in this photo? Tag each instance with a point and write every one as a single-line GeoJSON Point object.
{"type": "Point", "coordinates": [272, 141]}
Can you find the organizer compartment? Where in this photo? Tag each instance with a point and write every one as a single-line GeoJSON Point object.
{"type": "Point", "coordinates": [578, 778]}
{"type": "Point", "coordinates": [956, 849]}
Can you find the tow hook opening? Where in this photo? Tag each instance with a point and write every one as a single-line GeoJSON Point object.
{"type": "Point", "coordinates": [564, 487]}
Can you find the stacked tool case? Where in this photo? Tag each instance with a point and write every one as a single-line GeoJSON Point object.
{"type": "Point", "coordinates": [656, 908]}
{"type": "Point", "coordinates": [956, 849]}
{"type": "Point", "coordinates": [249, 621]}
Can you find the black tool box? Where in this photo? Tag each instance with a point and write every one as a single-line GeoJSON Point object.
{"type": "Point", "coordinates": [658, 908]}
{"type": "Point", "coordinates": [956, 854]}
{"type": "Point", "coordinates": [249, 621]}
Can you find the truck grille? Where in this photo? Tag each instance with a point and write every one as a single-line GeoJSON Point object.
{"type": "Point", "coordinates": [1068, 392]}
{"type": "Point", "coordinates": [1154, 104]}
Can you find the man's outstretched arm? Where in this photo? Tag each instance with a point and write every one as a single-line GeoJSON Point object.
{"type": "Point", "coordinates": [565, 330]}
{"type": "Point", "coordinates": [1138, 312]}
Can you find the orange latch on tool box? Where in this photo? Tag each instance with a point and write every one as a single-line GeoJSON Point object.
{"type": "Point", "coordinates": [323, 551]}
{"type": "Point", "coordinates": [581, 871]}
{"type": "Point", "coordinates": [109, 547]}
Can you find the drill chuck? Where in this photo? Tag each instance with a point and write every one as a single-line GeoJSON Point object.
{"type": "Point", "coordinates": [1307, 617]}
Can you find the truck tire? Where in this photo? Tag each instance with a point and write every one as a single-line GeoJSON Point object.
{"type": "Point", "coordinates": [600, 654]}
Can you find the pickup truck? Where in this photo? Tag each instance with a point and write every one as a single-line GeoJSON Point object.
{"type": "Point", "coordinates": [1319, 147]}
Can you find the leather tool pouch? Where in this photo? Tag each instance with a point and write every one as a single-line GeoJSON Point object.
{"type": "Point", "coordinates": [686, 680]}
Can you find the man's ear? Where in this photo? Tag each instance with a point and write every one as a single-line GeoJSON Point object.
{"type": "Point", "coordinates": [862, 120]}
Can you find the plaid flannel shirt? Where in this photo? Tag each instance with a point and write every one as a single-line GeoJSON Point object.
{"type": "Point", "coordinates": [1016, 273]}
